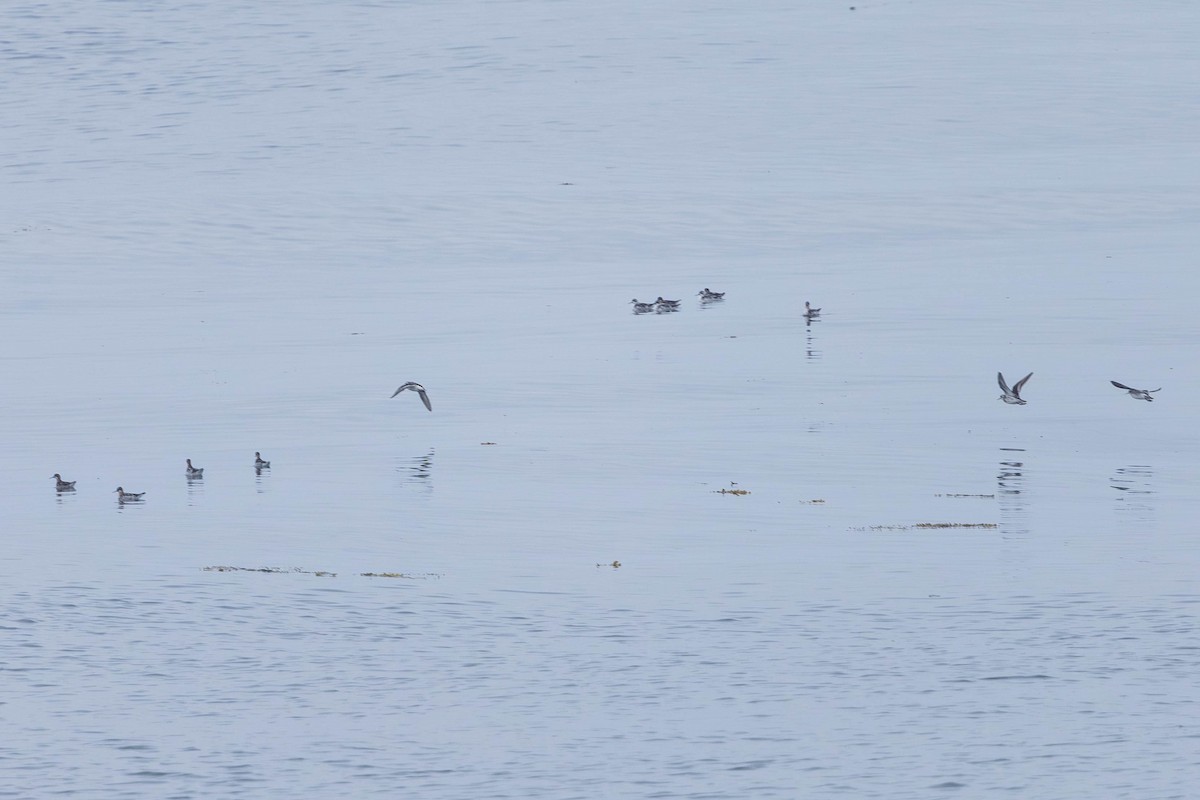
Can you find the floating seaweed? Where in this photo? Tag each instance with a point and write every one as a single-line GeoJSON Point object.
{"type": "Point", "coordinates": [320, 573]}
{"type": "Point", "coordinates": [928, 526]}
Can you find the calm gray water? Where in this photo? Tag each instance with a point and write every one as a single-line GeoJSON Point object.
{"type": "Point", "coordinates": [233, 227]}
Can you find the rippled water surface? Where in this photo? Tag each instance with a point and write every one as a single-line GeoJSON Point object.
{"type": "Point", "coordinates": [724, 552]}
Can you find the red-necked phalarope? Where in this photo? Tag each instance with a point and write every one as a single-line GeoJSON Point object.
{"type": "Point", "coordinates": [1012, 396]}
{"type": "Point", "coordinates": [194, 472]}
{"type": "Point", "coordinates": [1137, 394]}
{"type": "Point", "coordinates": [61, 485]}
{"type": "Point", "coordinates": [419, 389]}
{"type": "Point", "coordinates": [708, 294]}
{"type": "Point", "coordinates": [811, 312]}
{"type": "Point", "coordinates": [641, 308]}
{"type": "Point", "coordinates": [667, 303]}
{"type": "Point", "coordinates": [258, 459]}
{"type": "Point", "coordinates": [128, 497]}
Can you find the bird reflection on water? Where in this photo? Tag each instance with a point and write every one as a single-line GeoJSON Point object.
{"type": "Point", "coordinates": [1010, 492]}
{"type": "Point", "coordinates": [417, 470]}
{"type": "Point", "coordinates": [1135, 488]}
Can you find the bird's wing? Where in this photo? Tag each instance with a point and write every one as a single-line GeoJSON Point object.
{"type": "Point", "coordinates": [1003, 386]}
{"type": "Point", "coordinates": [398, 391]}
{"type": "Point", "coordinates": [1021, 383]}
{"type": "Point", "coordinates": [425, 399]}
{"type": "Point", "coordinates": [1121, 386]}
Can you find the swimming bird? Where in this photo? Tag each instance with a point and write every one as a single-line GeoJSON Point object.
{"type": "Point", "coordinates": [667, 303]}
{"type": "Point", "coordinates": [258, 459]}
{"type": "Point", "coordinates": [641, 308]}
{"type": "Point", "coordinates": [128, 497]}
{"type": "Point", "coordinates": [194, 472]}
{"type": "Point", "coordinates": [61, 485]}
{"type": "Point", "coordinates": [419, 389]}
{"type": "Point", "coordinates": [1012, 396]}
{"type": "Point", "coordinates": [1137, 394]}
{"type": "Point", "coordinates": [708, 294]}
{"type": "Point", "coordinates": [811, 312]}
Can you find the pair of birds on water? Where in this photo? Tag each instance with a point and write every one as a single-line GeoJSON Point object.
{"type": "Point", "coordinates": [122, 495]}
{"type": "Point", "coordinates": [658, 305]}
{"type": "Point", "coordinates": [1012, 395]}
{"type": "Point", "coordinates": [198, 472]}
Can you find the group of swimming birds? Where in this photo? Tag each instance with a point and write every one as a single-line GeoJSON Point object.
{"type": "Point", "coordinates": [662, 306]}
{"type": "Point", "coordinates": [190, 472]}
{"type": "Point", "coordinates": [195, 473]}
{"type": "Point", "coordinates": [706, 295]}
{"type": "Point", "coordinates": [1012, 395]}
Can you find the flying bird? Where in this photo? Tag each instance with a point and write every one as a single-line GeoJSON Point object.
{"type": "Point", "coordinates": [419, 389]}
{"type": "Point", "coordinates": [1012, 396]}
{"type": "Point", "coordinates": [1137, 394]}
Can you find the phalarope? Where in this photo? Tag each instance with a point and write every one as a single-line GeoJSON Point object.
{"type": "Point", "coordinates": [194, 472]}
{"type": "Point", "coordinates": [1012, 396]}
{"type": "Point", "coordinates": [258, 459]}
{"type": "Point", "coordinates": [708, 294]}
{"type": "Point", "coordinates": [419, 389]}
{"type": "Point", "coordinates": [1137, 394]}
{"type": "Point", "coordinates": [641, 308]}
{"type": "Point", "coordinates": [811, 312]}
{"type": "Point", "coordinates": [128, 497]}
{"type": "Point", "coordinates": [667, 303]}
{"type": "Point", "coordinates": [61, 485]}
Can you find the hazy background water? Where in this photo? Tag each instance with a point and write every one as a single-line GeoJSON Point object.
{"type": "Point", "coordinates": [239, 227]}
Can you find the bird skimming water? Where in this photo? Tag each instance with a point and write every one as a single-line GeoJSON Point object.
{"type": "Point", "coordinates": [419, 389]}
{"type": "Point", "coordinates": [1012, 396]}
{"type": "Point", "coordinates": [1137, 394]}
